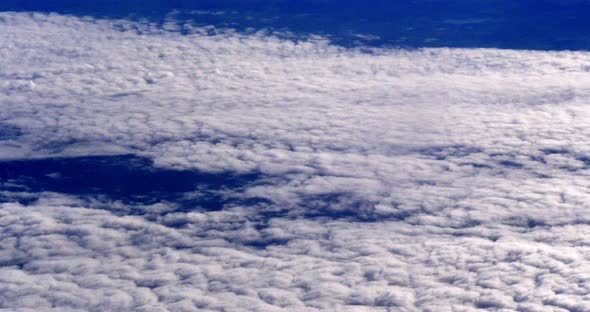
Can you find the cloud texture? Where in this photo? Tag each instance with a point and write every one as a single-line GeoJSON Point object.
{"type": "Point", "coordinates": [423, 180]}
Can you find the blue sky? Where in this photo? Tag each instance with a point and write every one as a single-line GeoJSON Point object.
{"type": "Point", "coordinates": [294, 156]}
{"type": "Point", "coordinates": [530, 24]}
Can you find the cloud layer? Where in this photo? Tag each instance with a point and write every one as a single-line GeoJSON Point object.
{"type": "Point", "coordinates": [426, 180]}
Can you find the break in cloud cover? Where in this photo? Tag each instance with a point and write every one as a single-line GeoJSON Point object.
{"type": "Point", "coordinates": [148, 169]}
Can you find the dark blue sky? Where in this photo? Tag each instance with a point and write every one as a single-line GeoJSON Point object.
{"type": "Point", "coordinates": [528, 24]}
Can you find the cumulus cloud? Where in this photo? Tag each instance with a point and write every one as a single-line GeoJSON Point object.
{"type": "Point", "coordinates": [423, 180]}
{"type": "Point", "coordinates": [90, 259]}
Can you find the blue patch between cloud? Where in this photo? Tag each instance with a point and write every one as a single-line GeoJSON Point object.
{"type": "Point", "coordinates": [127, 178]}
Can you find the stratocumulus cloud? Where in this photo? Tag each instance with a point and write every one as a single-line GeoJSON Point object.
{"type": "Point", "coordinates": [422, 180]}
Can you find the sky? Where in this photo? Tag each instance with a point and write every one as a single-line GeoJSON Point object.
{"type": "Point", "coordinates": [294, 156]}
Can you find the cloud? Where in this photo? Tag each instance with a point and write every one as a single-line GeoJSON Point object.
{"type": "Point", "coordinates": [422, 180]}
{"type": "Point", "coordinates": [90, 259]}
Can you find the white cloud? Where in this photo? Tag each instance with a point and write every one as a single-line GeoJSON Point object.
{"type": "Point", "coordinates": [90, 259]}
{"type": "Point", "coordinates": [471, 165]}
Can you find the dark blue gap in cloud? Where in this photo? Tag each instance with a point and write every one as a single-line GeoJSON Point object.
{"type": "Point", "coordinates": [8, 132]}
{"type": "Point", "coordinates": [126, 178]}
{"type": "Point", "coordinates": [135, 182]}
{"type": "Point", "coordinates": [523, 24]}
